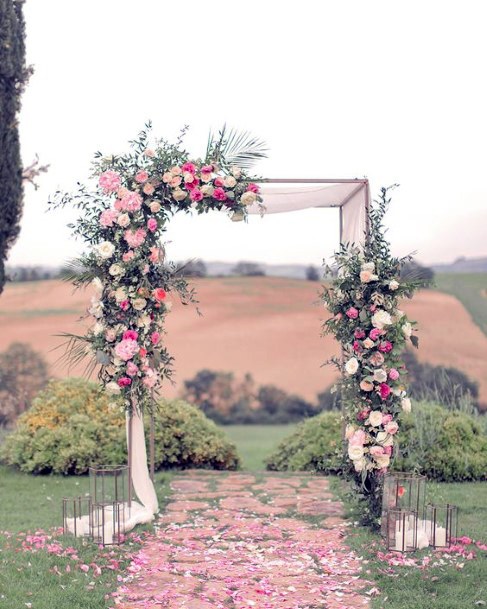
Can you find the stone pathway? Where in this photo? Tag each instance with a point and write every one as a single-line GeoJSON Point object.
{"type": "Point", "coordinates": [237, 541]}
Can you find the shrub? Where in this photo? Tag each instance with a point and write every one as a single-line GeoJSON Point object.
{"type": "Point", "coordinates": [71, 426]}
{"type": "Point", "coordinates": [314, 445]}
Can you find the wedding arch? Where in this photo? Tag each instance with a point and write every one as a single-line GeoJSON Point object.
{"type": "Point", "coordinates": [124, 219]}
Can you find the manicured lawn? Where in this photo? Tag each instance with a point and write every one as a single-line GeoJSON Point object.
{"type": "Point", "coordinates": [256, 442]}
{"type": "Point", "coordinates": [471, 291]}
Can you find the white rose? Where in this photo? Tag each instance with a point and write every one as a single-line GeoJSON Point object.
{"type": "Point", "coordinates": [116, 269]}
{"type": "Point", "coordinates": [393, 285]}
{"type": "Point", "coordinates": [123, 220]}
{"type": "Point", "coordinates": [139, 304]}
{"type": "Point", "coordinates": [355, 452]}
{"type": "Point", "coordinates": [96, 308]}
{"type": "Point", "coordinates": [230, 181]}
{"type": "Point", "coordinates": [97, 328]}
{"type": "Point", "coordinates": [381, 318]}
{"type": "Point", "coordinates": [248, 198]}
{"type": "Point", "coordinates": [120, 295]}
{"type": "Point", "coordinates": [351, 366]}
{"type": "Point", "coordinates": [144, 321]}
{"type": "Point", "coordinates": [105, 249]}
{"type": "Point", "coordinates": [382, 460]}
{"type": "Point", "coordinates": [407, 330]}
{"type": "Point", "coordinates": [359, 464]}
{"type": "Point", "coordinates": [236, 171]}
{"type": "Point", "coordinates": [380, 376]}
{"type": "Point", "coordinates": [98, 286]}
{"type": "Point", "coordinates": [406, 404]}
{"type": "Point", "coordinates": [207, 190]}
{"type": "Point", "coordinates": [368, 343]}
{"type": "Point", "coordinates": [384, 439]}
{"type": "Point", "coordinates": [112, 388]}
{"type": "Point", "coordinates": [368, 266]}
{"type": "Point", "coordinates": [375, 418]}
{"type": "Point", "coordinates": [178, 194]}
{"type": "Point", "coordinates": [188, 177]}
{"type": "Point", "coordinates": [155, 206]}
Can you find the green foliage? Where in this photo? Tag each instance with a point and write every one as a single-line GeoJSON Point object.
{"type": "Point", "coordinates": [314, 445]}
{"type": "Point", "coordinates": [72, 425]}
{"type": "Point", "coordinates": [23, 372]}
{"type": "Point", "coordinates": [13, 77]}
{"type": "Point", "coordinates": [448, 446]}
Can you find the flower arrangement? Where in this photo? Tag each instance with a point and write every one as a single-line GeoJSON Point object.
{"type": "Point", "coordinates": [123, 220]}
{"type": "Point", "coordinates": [364, 301]}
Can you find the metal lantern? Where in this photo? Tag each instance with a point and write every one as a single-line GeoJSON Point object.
{"type": "Point", "coordinates": [77, 516]}
{"type": "Point", "coordinates": [109, 483]}
{"type": "Point", "coordinates": [107, 523]}
{"type": "Point", "coordinates": [402, 530]}
{"type": "Point", "coordinates": [440, 523]}
{"type": "Point", "coordinates": [402, 490]}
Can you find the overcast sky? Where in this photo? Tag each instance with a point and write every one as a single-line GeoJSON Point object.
{"type": "Point", "coordinates": [392, 91]}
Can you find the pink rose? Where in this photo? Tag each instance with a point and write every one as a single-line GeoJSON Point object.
{"type": "Point", "coordinates": [359, 333]}
{"type": "Point", "coordinates": [384, 390]}
{"type": "Point", "coordinates": [126, 349]}
{"type": "Point", "coordinates": [152, 224]}
{"type": "Point", "coordinates": [375, 334]}
{"type": "Point", "coordinates": [219, 182]}
{"type": "Point", "coordinates": [196, 195]}
{"type": "Point", "coordinates": [175, 181]}
{"type": "Point", "coordinates": [189, 167]}
{"type": "Point", "coordinates": [219, 194]}
{"type": "Point", "coordinates": [124, 305]}
{"type": "Point", "coordinates": [357, 347]}
{"type": "Point", "coordinates": [155, 336]}
{"type": "Point", "coordinates": [124, 381]}
{"type": "Point", "coordinates": [388, 450]}
{"type": "Point", "coordinates": [385, 347]}
{"type": "Point", "coordinates": [366, 385]}
{"type": "Point", "coordinates": [132, 369]}
{"type": "Point", "coordinates": [192, 185]}
{"type": "Point", "coordinates": [148, 188]}
{"type": "Point", "coordinates": [128, 256]}
{"type": "Point", "coordinates": [386, 418]}
{"type": "Point", "coordinates": [109, 181]}
{"type": "Point", "coordinates": [376, 451]}
{"type": "Point", "coordinates": [253, 188]}
{"type": "Point", "coordinates": [393, 374]}
{"type": "Point", "coordinates": [207, 169]}
{"type": "Point", "coordinates": [154, 254]}
{"type": "Point", "coordinates": [159, 294]}
{"type": "Point", "coordinates": [352, 313]}
{"type": "Point", "coordinates": [108, 217]}
{"type": "Point", "coordinates": [148, 152]}
{"type": "Point", "coordinates": [391, 427]}
{"type": "Point", "coordinates": [130, 335]}
{"type": "Point", "coordinates": [135, 238]}
{"type": "Point", "coordinates": [142, 176]}
{"type": "Point", "coordinates": [376, 359]}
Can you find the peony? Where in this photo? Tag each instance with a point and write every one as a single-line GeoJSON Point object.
{"type": "Point", "coordinates": [196, 195]}
{"type": "Point", "coordinates": [406, 404]}
{"type": "Point", "coordinates": [352, 313]}
{"type": "Point", "coordinates": [391, 427]}
{"type": "Point", "coordinates": [366, 385]}
{"type": "Point", "coordinates": [381, 318]}
{"type": "Point", "coordinates": [112, 388]}
{"type": "Point", "coordinates": [380, 375]}
{"type": "Point", "coordinates": [376, 359]}
{"type": "Point", "coordinates": [189, 167]}
{"type": "Point", "coordinates": [393, 374]}
{"type": "Point", "coordinates": [130, 335]}
{"type": "Point", "coordinates": [123, 220]}
{"type": "Point", "coordinates": [219, 194]}
{"type": "Point", "coordinates": [132, 369]}
{"type": "Point", "coordinates": [135, 238]}
{"type": "Point", "coordinates": [155, 207]}
{"type": "Point", "coordinates": [248, 198]}
{"type": "Point", "coordinates": [105, 249]}
{"type": "Point", "coordinates": [152, 224]}
{"type": "Point", "coordinates": [219, 182]}
{"type": "Point", "coordinates": [375, 418]}
{"type": "Point", "coordinates": [357, 438]}
{"type": "Point", "coordinates": [385, 347]}
{"type": "Point", "coordinates": [355, 452]}
{"type": "Point", "coordinates": [108, 217]}
{"type": "Point", "coordinates": [131, 201]}
{"type": "Point", "coordinates": [359, 333]}
{"type": "Point", "coordinates": [352, 366]}
{"type": "Point", "coordinates": [393, 285]}
{"type": "Point", "coordinates": [179, 195]}
{"type": "Point", "coordinates": [368, 344]}
{"type": "Point", "coordinates": [141, 176]}
{"type": "Point", "coordinates": [109, 181]}
{"type": "Point", "coordinates": [139, 304]}
{"type": "Point", "coordinates": [159, 294]}
{"type": "Point", "coordinates": [124, 381]}
{"type": "Point", "coordinates": [126, 349]}
{"type": "Point", "coordinates": [407, 329]}
{"type": "Point", "coordinates": [376, 451]}
{"type": "Point", "coordinates": [384, 391]}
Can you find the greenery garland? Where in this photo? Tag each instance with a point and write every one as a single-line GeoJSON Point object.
{"type": "Point", "coordinates": [123, 220]}
{"type": "Point", "coordinates": [364, 301]}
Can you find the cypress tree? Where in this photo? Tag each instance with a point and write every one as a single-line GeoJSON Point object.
{"type": "Point", "coordinates": [13, 77]}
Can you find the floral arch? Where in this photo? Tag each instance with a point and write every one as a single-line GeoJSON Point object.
{"type": "Point", "coordinates": [124, 220]}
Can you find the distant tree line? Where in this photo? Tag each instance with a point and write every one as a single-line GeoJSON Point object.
{"type": "Point", "coordinates": [31, 273]}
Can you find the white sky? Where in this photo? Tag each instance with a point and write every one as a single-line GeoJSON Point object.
{"type": "Point", "coordinates": [392, 91]}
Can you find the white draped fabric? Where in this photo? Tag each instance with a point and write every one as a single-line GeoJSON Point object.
{"type": "Point", "coordinates": [352, 197]}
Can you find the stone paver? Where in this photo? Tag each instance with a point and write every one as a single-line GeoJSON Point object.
{"type": "Point", "coordinates": [239, 541]}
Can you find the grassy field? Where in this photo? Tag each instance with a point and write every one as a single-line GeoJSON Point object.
{"type": "Point", "coordinates": [255, 442]}
{"type": "Point", "coordinates": [471, 291]}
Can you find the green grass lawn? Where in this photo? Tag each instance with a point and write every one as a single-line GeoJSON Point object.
{"type": "Point", "coordinates": [256, 442]}
{"type": "Point", "coordinates": [471, 291]}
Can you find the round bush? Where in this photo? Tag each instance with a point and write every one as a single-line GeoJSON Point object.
{"type": "Point", "coordinates": [314, 445]}
{"type": "Point", "coordinates": [72, 426]}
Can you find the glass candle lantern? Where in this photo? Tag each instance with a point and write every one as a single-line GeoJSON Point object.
{"type": "Point", "coordinates": [440, 523]}
{"type": "Point", "coordinates": [402, 490]}
{"type": "Point", "coordinates": [401, 530]}
{"type": "Point", "coordinates": [107, 523]}
{"type": "Point", "coordinates": [109, 483]}
{"type": "Point", "coordinates": [76, 516]}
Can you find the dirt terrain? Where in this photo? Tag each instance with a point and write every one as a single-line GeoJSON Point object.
{"type": "Point", "coordinates": [269, 327]}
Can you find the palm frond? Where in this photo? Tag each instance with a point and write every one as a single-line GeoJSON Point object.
{"type": "Point", "coordinates": [75, 352]}
{"type": "Point", "coordinates": [75, 271]}
{"type": "Point", "coordinates": [233, 147]}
